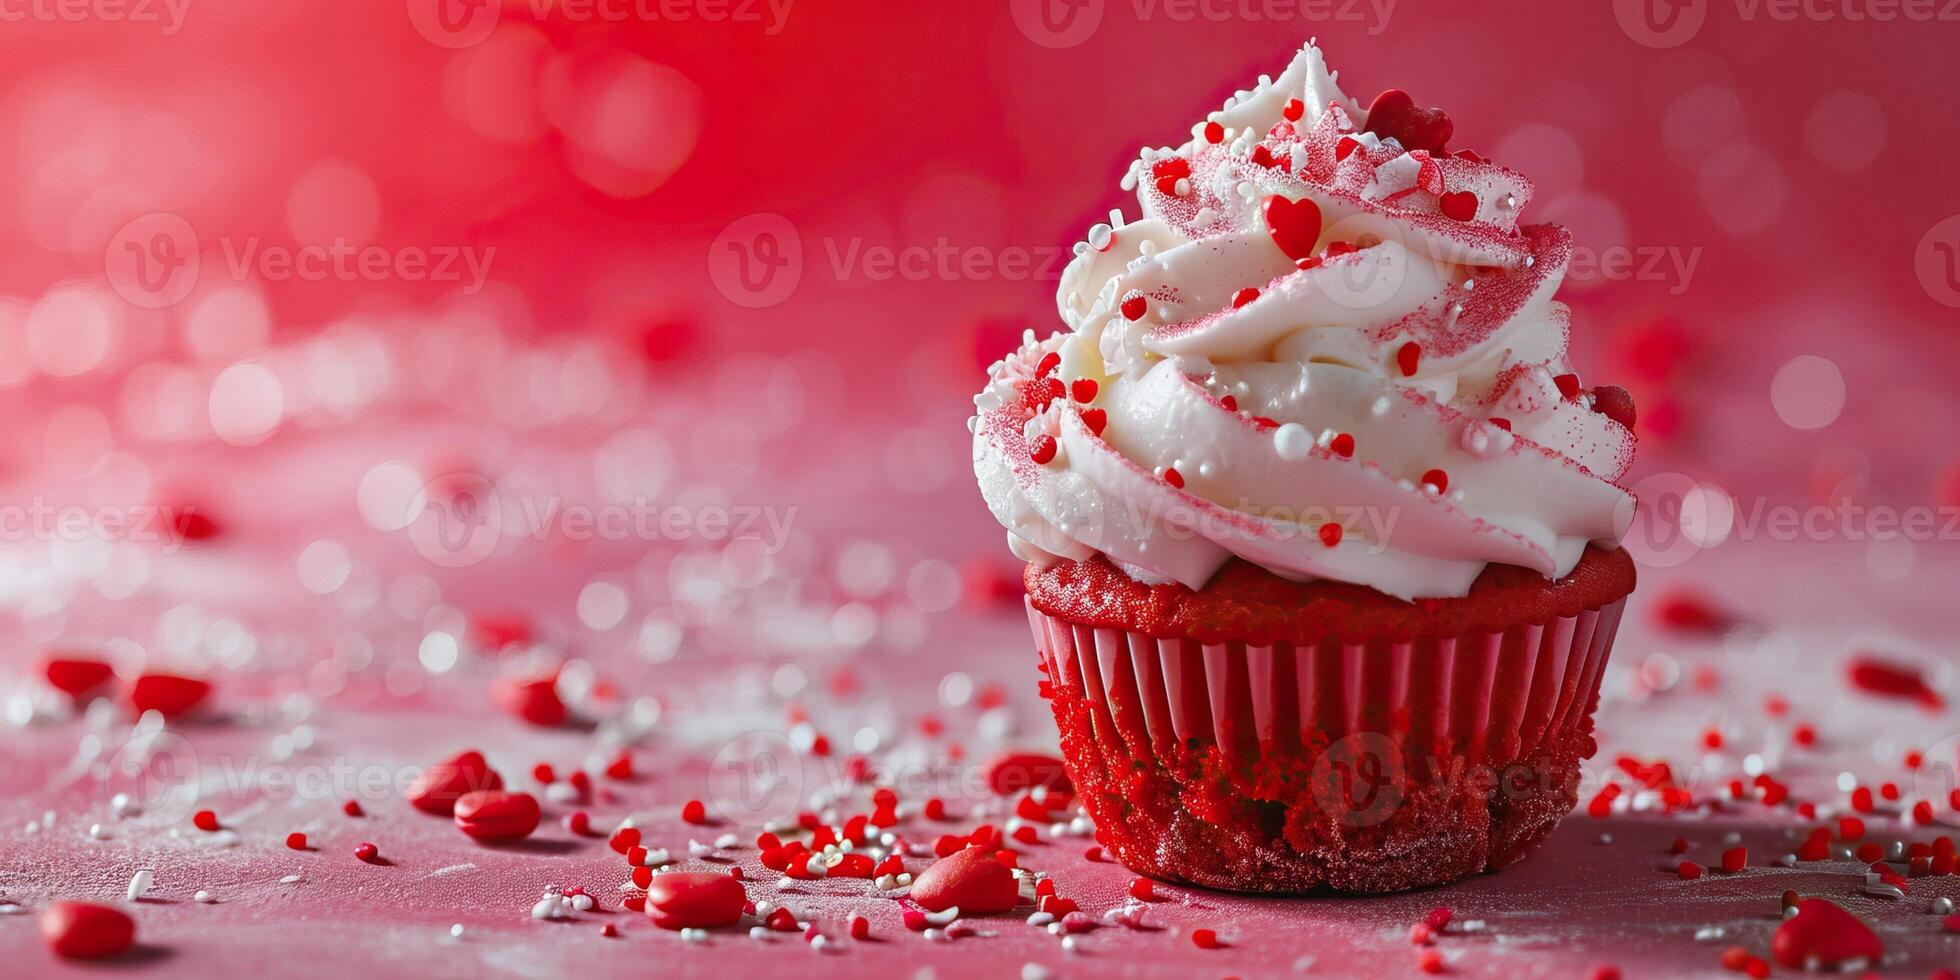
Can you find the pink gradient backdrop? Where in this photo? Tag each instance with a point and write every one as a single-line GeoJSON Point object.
{"type": "Point", "coordinates": [618, 167]}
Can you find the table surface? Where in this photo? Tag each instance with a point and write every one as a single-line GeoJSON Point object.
{"type": "Point", "coordinates": [339, 671]}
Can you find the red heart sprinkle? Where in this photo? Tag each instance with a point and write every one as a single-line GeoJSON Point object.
{"type": "Point", "coordinates": [1460, 206]}
{"type": "Point", "coordinates": [1393, 115]}
{"type": "Point", "coordinates": [1615, 403]}
{"type": "Point", "coordinates": [695, 900]}
{"type": "Point", "coordinates": [695, 812]}
{"type": "Point", "coordinates": [972, 879]}
{"type": "Point", "coordinates": [1018, 772]}
{"type": "Point", "coordinates": [1294, 225]}
{"type": "Point", "coordinates": [1824, 931]}
{"type": "Point", "coordinates": [75, 674]}
{"type": "Point", "coordinates": [167, 694]}
{"type": "Point", "coordinates": [497, 815]}
{"type": "Point", "coordinates": [85, 931]}
{"type": "Point", "coordinates": [1095, 419]}
{"type": "Point", "coordinates": [1135, 307]}
{"type": "Point", "coordinates": [533, 699]}
{"type": "Point", "coordinates": [439, 786]}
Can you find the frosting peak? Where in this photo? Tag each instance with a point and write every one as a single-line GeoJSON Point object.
{"type": "Point", "coordinates": [1327, 346]}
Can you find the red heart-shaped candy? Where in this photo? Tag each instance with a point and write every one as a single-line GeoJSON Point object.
{"type": "Point", "coordinates": [496, 815]}
{"type": "Point", "coordinates": [1823, 931]}
{"type": "Point", "coordinates": [694, 900]}
{"type": "Point", "coordinates": [1393, 115]}
{"type": "Point", "coordinates": [972, 879]}
{"type": "Point", "coordinates": [1294, 225]}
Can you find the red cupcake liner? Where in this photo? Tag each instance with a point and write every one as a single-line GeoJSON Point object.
{"type": "Point", "coordinates": [1363, 767]}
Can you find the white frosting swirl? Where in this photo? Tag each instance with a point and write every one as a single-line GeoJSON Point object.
{"type": "Point", "coordinates": [1381, 397]}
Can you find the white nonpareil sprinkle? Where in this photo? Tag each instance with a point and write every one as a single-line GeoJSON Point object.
{"type": "Point", "coordinates": [290, 880]}
{"type": "Point", "coordinates": [1293, 442]}
{"type": "Point", "coordinates": [759, 933]}
{"type": "Point", "coordinates": [9, 908]}
{"type": "Point", "coordinates": [694, 935]}
{"type": "Point", "coordinates": [139, 883]}
{"type": "Point", "coordinates": [456, 931]}
{"type": "Point", "coordinates": [98, 831]}
{"type": "Point", "coordinates": [1035, 971]}
{"type": "Point", "coordinates": [204, 897]}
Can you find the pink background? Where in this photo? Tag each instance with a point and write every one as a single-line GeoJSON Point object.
{"type": "Point", "coordinates": [1803, 166]}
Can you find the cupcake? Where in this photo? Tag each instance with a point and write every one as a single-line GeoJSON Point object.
{"type": "Point", "coordinates": [1321, 528]}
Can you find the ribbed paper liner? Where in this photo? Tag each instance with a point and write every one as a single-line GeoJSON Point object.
{"type": "Point", "coordinates": [1488, 700]}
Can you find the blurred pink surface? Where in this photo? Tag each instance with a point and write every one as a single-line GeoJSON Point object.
{"type": "Point", "coordinates": [1778, 188]}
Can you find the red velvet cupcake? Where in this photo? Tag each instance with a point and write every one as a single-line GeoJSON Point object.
{"type": "Point", "coordinates": [1321, 527]}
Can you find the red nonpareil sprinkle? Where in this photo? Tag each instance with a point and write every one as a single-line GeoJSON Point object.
{"type": "Point", "coordinates": [1438, 918]}
{"type": "Point", "coordinates": [1095, 852]}
{"type": "Point", "coordinates": [860, 928]}
{"type": "Point", "coordinates": [1459, 206]}
{"type": "Point", "coordinates": [366, 851]}
{"type": "Point", "coordinates": [1951, 923]}
{"type": "Point", "coordinates": [1205, 939]}
{"type": "Point", "coordinates": [1688, 611]}
{"type": "Point", "coordinates": [1420, 934]}
{"type": "Point", "coordinates": [1816, 847]}
{"type": "Point", "coordinates": [1735, 859]}
{"type": "Point", "coordinates": [1408, 357]}
{"type": "Point", "coordinates": [1231, 404]}
{"type": "Point", "coordinates": [1430, 961]}
{"type": "Point", "coordinates": [1735, 958]}
{"type": "Point", "coordinates": [935, 808]}
{"type": "Point", "coordinates": [1680, 846]}
{"type": "Point", "coordinates": [1341, 445]}
{"type": "Point", "coordinates": [578, 823]}
{"type": "Point", "coordinates": [544, 774]}
{"type": "Point", "coordinates": [1889, 791]}
{"type": "Point", "coordinates": [1690, 870]}
{"type": "Point", "coordinates": [1214, 133]}
{"type": "Point", "coordinates": [624, 838]}
{"type": "Point", "coordinates": [296, 841]}
{"type": "Point", "coordinates": [1776, 706]}
{"type": "Point", "coordinates": [1083, 389]}
{"type": "Point", "coordinates": [1143, 890]}
{"type": "Point", "coordinates": [1804, 734]}
{"type": "Point", "coordinates": [1330, 534]}
{"type": "Point", "coordinates": [1293, 110]}
{"type": "Point", "coordinates": [1438, 479]}
{"type": "Point", "coordinates": [353, 809]}
{"type": "Point", "coordinates": [915, 920]}
{"type": "Point", "coordinates": [1861, 800]}
{"type": "Point", "coordinates": [1568, 385]}
{"type": "Point", "coordinates": [694, 812]}
{"type": "Point", "coordinates": [1135, 307]}
{"type": "Point", "coordinates": [1049, 362]}
{"type": "Point", "coordinates": [621, 767]}
{"type": "Point", "coordinates": [609, 930]}
{"type": "Point", "coordinates": [1043, 449]}
{"type": "Point", "coordinates": [1914, 759]}
{"type": "Point", "coordinates": [1174, 478]}
{"type": "Point", "coordinates": [781, 920]}
{"type": "Point", "coordinates": [1711, 738]}
{"type": "Point", "coordinates": [1922, 813]}
{"type": "Point", "coordinates": [205, 820]}
{"type": "Point", "coordinates": [1870, 852]}
{"type": "Point", "coordinates": [1244, 296]}
{"type": "Point", "coordinates": [580, 781]}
